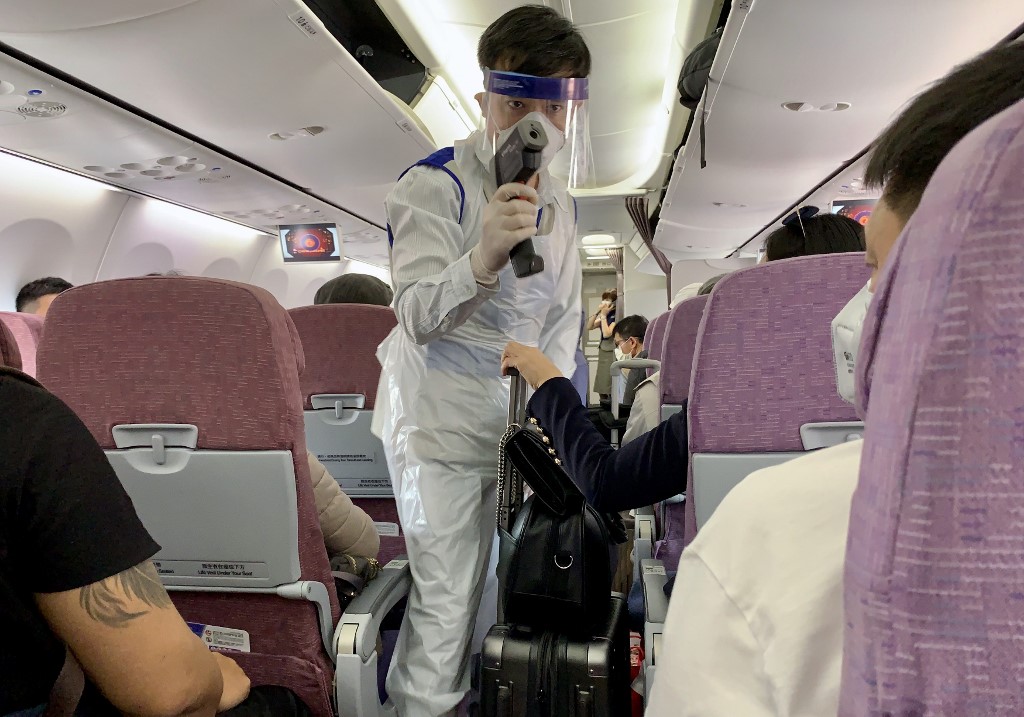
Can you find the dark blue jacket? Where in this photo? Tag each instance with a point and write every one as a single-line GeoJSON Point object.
{"type": "Point", "coordinates": [651, 468]}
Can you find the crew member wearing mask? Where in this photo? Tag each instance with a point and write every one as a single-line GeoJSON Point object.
{"type": "Point", "coordinates": [442, 400]}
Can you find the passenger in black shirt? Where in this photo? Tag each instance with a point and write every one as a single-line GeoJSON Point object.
{"type": "Point", "coordinates": [74, 569]}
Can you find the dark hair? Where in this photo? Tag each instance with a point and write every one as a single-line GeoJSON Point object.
{"type": "Point", "coordinates": [632, 327]}
{"type": "Point", "coordinates": [906, 155]}
{"type": "Point", "coordinates": [610, 295]}
{"type": "Point", "coordinates": [169, 272]}
{"type": "Point", "coordinates": [39, 288]}
{"type": "Point", "coordinates": [823, 234]}
{"type": "Point", "coordinates": [354, 289]}
{"type": "Point", "coordinates": [708, 285]}
{"type": "Point", "coordinates": [534, 40]}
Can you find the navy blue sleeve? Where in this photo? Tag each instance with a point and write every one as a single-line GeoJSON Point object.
{"type": "Point", "coordinates": [645, 471]}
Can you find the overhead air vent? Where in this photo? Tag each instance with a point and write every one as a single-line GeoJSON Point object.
{"type": "Point", "coordinates": [365, 32]}
{"type": "Point", "coordinates": [42, 110]}
{"type": "Point", "coordinates": [311, 131]}
{"type": "Point", "coordinates": [808, 107]}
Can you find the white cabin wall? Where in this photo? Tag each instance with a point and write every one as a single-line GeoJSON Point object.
{"type": "Point", "coordinates": [52, 223]}
{"type": "Point", "coordinates": [155, 236]}
{"type": "Point", "coordinates": [692, 272]}
{"type": "Point", "coordinates": [643, 293]}
{"type": "Point", "coordinates": [56, 223]}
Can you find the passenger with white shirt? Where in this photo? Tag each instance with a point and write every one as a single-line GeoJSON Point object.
{"type": "Point", "coordinates": [756, 625]}
{"type": "Point", "coordinates": [458, 300]}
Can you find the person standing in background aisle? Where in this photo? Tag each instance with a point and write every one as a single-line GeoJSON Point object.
{"type": "Point", "coordinates": [604, 320]}
{"type": "Point", "coordinates": [442, 399]}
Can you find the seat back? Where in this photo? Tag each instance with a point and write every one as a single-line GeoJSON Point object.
{"type": "Point", "coordinates": [763, 388]}
{"type": "Point", "coordinates": [677, 355]}
{"type": "Point", "coordinates": [339, 391]}
{"type": "Point", "coordinates": [191, 387]}
{"type": "Point", "coordinates": [10, 355]}
{"type": "Point", "coordinates": [26, 330]}
{"type": "Point", "coordinates": [654, 339]}
{"type": "Point", "coordinates": [933, 573]}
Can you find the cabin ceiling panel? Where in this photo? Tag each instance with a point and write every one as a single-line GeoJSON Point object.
{"type": "Point", "coordinates": [235, 73]}
{"type": "Point", "coordinates": [102, 141]}
{"type": "Point", "coordinates": [57, 16]}
{"type": "Point", "coordinates": [761, 158]}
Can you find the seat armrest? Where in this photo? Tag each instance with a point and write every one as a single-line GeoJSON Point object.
{"type": "Point", "coordinates": [355, 640]}
{"type": "Point", "coordinates": [643, 538]}
{"type": "Point", "coordinates": [655, 601]}
{"type": "Point", "coordinates": [655, 611]}
{"type": "Point", "coordinates": [360, 623]}
{"type": "Point", "coordinates": [616, 370]}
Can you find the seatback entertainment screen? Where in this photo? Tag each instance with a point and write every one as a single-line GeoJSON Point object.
{"type": "Point", "coordinates": [310, 242]}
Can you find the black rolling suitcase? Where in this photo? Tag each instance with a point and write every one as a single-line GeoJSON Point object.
{"type": "Point", "coordinates": [532, 672]}
{"type": "Point", "coordinates": [528, 673]}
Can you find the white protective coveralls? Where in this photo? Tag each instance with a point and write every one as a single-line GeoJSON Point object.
{"type": "Point", "coordinates": [446, 404]}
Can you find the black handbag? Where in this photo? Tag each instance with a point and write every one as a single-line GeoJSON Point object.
{"type": "Point", "coordinates": [557, 557]}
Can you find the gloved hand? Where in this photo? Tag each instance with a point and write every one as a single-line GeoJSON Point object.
{"type": "Point", "coordinates": [508, 220]}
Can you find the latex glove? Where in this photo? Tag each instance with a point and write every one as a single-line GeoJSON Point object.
{"type": "Point", "coordinates": [533, 365]}
{"type": "Point", "coordinates": [508, 220]}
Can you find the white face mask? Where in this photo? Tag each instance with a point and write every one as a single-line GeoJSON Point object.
{"type": "Point", "coordinates": [556, 138]}
{"type": "Point", "coordinates": [619, 356]}
{"type": "Point", "coordinates": [846, 331]}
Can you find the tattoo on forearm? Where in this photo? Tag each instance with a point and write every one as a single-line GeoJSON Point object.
{"type": "Point", "coordinates": [107, 600]}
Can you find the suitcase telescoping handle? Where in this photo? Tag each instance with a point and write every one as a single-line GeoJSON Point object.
{"type": "Point", "coordinates": [517, 399]}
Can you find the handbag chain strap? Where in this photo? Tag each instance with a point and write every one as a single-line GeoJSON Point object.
{"type": "Point", "coordinates": [505, 481]}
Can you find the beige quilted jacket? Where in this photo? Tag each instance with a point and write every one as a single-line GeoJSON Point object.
{"type": "Point", "coordinates": [346, 527]}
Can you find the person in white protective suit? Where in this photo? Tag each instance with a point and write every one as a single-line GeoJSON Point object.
{"type": "Point", "coordinates": [443, 402]}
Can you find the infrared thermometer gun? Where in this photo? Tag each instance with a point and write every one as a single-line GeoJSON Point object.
{"type": "Point", "coordinates": [517, 160]}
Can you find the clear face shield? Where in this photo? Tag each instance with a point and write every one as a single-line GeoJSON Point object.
{"type": "Point", "coordinates": [539, 121]}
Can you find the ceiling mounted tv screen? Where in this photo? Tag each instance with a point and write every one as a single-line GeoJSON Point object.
{"type": "Point", "coordinates": [859, 210]}
{"type": "Point", "coordinates": [310, 242]}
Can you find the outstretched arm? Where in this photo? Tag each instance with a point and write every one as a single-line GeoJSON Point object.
{"type": "Point", "coordinates": [650, 469]}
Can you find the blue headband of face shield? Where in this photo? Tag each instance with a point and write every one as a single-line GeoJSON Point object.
{"type": "Point", "coordinates": [514, 84]}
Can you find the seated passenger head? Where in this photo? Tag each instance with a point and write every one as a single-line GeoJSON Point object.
{"type": "Point", "coordinates": [35, 297]}
{"type": "Point", "coordinates": [821, 234]}
{"type": "Point", "coordinates": [169, 272]}
{"type": "Point", "coordinates": [687, 292]}
{"type": "Point", "coordinates": [354, 289]}
{"type": "Point", "coordinates": [708, 285]}
{"type": "Point", "coordinates": [629, 336]}
{"type": "Point", "coordinates": [906, 155]}
{"type": "Point", "coordinates": [903, 160]}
